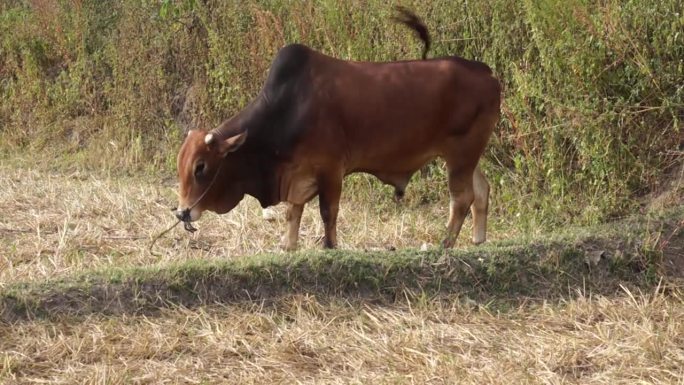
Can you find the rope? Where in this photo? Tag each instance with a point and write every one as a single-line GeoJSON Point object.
{"type": "Point", "coordinates": [159, 236]}
{"type": "Point", "coordinates": [186, 225]}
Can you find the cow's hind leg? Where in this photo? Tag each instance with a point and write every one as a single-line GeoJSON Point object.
{"type": "Point", "coordinates": [467, 184]}
{"type": "Point", "coordinates": [294, 218]}
{"type": "Point", "coordinates": [461, 197]}
{"type": "Point", "coordinates": [329, 191]}
{"type": "Point", "coordinates": [479, 206]}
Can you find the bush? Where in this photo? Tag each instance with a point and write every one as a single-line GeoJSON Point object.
{"type": "Point", "coordinates": [593, 89]}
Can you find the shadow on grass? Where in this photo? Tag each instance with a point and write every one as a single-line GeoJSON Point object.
{"type": "Point", "coordinates": [499, 274]}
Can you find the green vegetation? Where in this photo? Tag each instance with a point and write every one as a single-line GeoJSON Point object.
{"type": "Point", "coordinates": [594, 95]}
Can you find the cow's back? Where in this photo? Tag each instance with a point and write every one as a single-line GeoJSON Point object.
{"type": "Point", "coordinates": [396, 114]}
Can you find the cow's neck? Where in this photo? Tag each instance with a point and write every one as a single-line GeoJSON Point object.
{"type": "Point", "coordinates": [259, 178]}
{"type": "Point", "coordinates": [269, 140]}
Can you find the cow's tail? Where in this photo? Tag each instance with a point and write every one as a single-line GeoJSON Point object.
{"type": "Point", "coordinates": [409, 19]}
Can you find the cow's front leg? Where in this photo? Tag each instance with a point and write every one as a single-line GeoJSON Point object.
{"type": "Point", "coordinates": [294, 218]}
{"type": "Point", "coordinates": [330, 189]}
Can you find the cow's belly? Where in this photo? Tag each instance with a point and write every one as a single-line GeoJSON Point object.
{"type": "Point", "coordinates": [391, 161]}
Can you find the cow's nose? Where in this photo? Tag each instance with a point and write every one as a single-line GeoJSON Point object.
{"type": "Point", "coordinates": [183, 215]}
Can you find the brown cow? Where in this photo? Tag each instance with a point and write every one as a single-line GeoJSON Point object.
{"type": "Point", "coordinates": [318, 119]}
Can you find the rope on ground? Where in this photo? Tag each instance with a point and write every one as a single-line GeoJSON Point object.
{"type": "Point", "coordinates": [159, 236]}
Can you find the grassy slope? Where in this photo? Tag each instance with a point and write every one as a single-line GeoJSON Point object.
{"type": "Point", "coordinates": [597, 260]}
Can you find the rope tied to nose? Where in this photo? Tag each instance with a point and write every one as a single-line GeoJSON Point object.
{"type": "Point", "coordinates": [187, 225]}
{"type": "Point", "coordinates": [159, 236]}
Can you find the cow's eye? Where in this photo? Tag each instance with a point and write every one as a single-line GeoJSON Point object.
{"type": "Point", "coordinates": [199, 169]}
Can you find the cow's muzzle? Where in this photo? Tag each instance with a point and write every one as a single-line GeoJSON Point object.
{"type": "Point", "coordinates": [183, 215]}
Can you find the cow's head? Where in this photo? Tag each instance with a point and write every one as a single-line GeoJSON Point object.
{"type": "Point", "coordinates": [208, 180]}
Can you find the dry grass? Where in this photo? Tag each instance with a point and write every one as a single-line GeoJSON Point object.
{"type": "Point", "coordinates": [56, 225]}
{"type": "Point", "coordinates": [628, 339]}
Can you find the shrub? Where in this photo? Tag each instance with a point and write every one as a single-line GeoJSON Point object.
{"type": "Point", "coordinates": [593, 89]}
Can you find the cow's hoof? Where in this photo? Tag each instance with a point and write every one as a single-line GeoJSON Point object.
{"type": "Point", "coordinates": [287, 246]}
{"type": "Point", "coordinates": [328, 244]}
{"type": "Point", "coordinates": [478, 241]}
{"type": "Point", "coordinates": [447, 243]}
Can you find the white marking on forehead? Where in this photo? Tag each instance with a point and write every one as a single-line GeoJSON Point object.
{"type": "Point", "coordinates": [209, 138]}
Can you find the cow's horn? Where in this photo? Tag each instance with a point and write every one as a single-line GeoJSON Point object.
{"type": "Point", "coordinates": [209, 138]}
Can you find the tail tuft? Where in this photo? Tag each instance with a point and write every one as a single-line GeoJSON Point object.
{"type": "Point", "coordinates": [409, 19]}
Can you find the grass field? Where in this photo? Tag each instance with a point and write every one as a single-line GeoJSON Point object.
{"type": "Point", "coordinates": [83, 301]}
{"type": "Point", "coordinates": [581, 280]}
